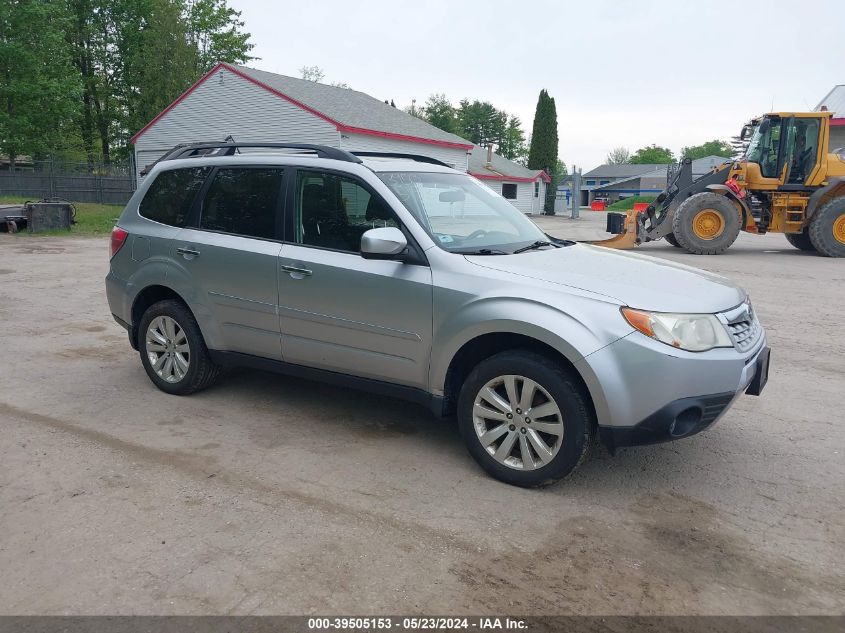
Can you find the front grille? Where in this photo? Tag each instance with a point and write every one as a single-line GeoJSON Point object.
{"type": "Point", "coordinates": [744, 327]}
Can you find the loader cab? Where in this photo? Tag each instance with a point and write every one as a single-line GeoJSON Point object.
{"type": "Point", "coordinates": [782, 150]}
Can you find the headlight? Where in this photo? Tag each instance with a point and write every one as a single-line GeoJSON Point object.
{"type": "Point", "coordinates": [692, 332]}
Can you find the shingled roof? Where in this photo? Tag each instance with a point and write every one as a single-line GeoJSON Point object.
{"type": "Point", "coordinates": [350, 110]}
{"type": "Point", "coordinates": [500, 168]}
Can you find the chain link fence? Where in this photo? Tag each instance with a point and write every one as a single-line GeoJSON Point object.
{"type": "Point", "coordinates": [78, 182]}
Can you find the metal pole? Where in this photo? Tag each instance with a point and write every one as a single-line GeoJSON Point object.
{"type": "Point", "coordinates": [575, 212]}
{"type": "Point", "coordinates": [52, 184]}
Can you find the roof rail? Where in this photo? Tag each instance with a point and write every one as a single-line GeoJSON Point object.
{"type": "Point", "coordinates": [194, 150]}
{"type": "Point", "coordinates": [416, 157]}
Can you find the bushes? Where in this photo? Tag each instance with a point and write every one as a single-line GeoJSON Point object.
{"type": "Point", "coordinates": [628, 203]}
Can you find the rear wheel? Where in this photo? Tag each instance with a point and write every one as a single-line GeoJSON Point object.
{"type": "Point", "coordinates": [827, 229]}
{"type": "Point", "coordinates": [524, 418]}
{"type": "Point", "coordinates": [801, 240]}
{"type": "Point", "coordinates": [671, 239]}
{"type": "Point", "coordinates": [173, 351]}
{"type": "Point", "coordinates": [706, 224]}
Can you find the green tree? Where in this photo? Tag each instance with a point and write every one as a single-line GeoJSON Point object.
{"type": "Point", "coordinates": [215, 30]}
{"type": "Point", "coordinates": [134, 57]}
{"type": "Point", "coordinates": [618, 156]}
{"type": "Point", "coordinates": [39, 88]}
{"type": "Point", "coordinates": [481, 123]}
{"type": "Point", "coordinates": [439, 111]}
{"type": "Point", "coordinates": [542, 153]}
{"type": "Point", "coordinates": [710, 148]}
{"type": "Point", "coordinates": [653, 154]}
{"type": "Point", "coordinates": [513, 145]}
{"type": "Point", "coordinates": [157, 62]}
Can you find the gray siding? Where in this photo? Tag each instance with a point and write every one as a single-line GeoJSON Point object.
{"type": "Point", "coordinates": [367, 143]}
{"type": "Point", "coordinates": [228, 104]}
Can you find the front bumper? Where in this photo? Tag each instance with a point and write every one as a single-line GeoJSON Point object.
{"type": "Point", "coordinates": [685, 417]}
{"type": "Point", "coordinates": [646, 392]}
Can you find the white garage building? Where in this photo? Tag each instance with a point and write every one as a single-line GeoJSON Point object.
{"type": "Point", "coordinates": [257, 106]}
{"type": "Point", "coordinates": [524, 188]}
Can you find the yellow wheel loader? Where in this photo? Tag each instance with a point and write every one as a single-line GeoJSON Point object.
{"type": "Point", "coordinates": [788, 182]}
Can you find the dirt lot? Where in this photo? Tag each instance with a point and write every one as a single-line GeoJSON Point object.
{"type": "Point", "coordinates": [267, 494]}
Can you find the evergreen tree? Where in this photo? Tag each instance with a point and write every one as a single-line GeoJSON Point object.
{"type": "Point", "coordinates": [542, 153]}
{"type": "Point", "coordinates": [481, 123]}
{"type": "Point", "coordinates": [513, 144]}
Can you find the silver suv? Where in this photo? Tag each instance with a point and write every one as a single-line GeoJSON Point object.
{"type": "Point", "coordinates": [402, 276]}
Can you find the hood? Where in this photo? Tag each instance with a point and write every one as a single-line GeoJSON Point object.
{"type": "Point", "coordinates": [632, 279]}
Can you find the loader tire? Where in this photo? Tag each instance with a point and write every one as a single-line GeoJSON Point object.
{"type": "Point", "coordinates": [670, 237]}
{"type": "Point", "coordinates": [706, 224]}
{"type": "Point", "coordinates": [827, 229]}
{"type": "Point", "coordinates": [801, 241]}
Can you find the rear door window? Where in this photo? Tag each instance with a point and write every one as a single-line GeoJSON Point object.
{"type": "Point", "coordinates": [243, 201]}
{"type": "Point", "coordinates": [171, 195]}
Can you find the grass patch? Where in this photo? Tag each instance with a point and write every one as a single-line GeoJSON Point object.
{"type": "Point", "coordinates": [91, 219]}
{"type": "Point", "coordinates": [628, 203]}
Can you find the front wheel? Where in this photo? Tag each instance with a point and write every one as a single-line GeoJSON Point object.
{"type": "Point", "coordinates": [524, 418]}
{"type": "Point", "coordinates": [670, 237]}
{"type": "Point", "coordinates": [173, 351]}
{"type": "Point", "coordinates": [827, 229]}
{"type": "Point", "coordinates": [706, 224]}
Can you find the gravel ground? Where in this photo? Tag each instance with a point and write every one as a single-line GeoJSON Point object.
{"type": "Point", "coordinates": [271, 495]}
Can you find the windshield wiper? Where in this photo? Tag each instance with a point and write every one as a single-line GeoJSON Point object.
{"type": "Point", "coordinates": [482, 251]}
{"type": "Point", "coordinates": [537, 244]}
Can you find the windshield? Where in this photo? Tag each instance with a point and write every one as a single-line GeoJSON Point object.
{"type": "Point", "coordinates": [461, 214]}
{"type": "Point", "coordinates": [763, 146]}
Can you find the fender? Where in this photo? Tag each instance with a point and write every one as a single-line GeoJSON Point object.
{"type": "Point", "coordinates": [729, 193]}
{"type": "Point", "coordinates": [568, 335]}
{"type": "Point", "coordinates": [834, 188]}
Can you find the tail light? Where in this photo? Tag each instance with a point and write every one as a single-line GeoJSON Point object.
{"type": "Point", "coordinates": [118, 239]}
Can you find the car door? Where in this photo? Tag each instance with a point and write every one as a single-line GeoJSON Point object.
{"type": "Point", "coordinates": [230, 255]}
{"type": "Point", "coordinates": [337, 310]}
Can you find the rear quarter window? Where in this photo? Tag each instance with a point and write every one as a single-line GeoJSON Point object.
{"type": "Point", "coordinates": [169, 198]}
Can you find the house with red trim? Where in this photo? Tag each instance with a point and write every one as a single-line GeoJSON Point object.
{"type": "Point", "coordinates": [834, 102]}
{"type": "Point", "coordinates": [525, 188]}
{"type": "Point", "coordinates": [259, 106]}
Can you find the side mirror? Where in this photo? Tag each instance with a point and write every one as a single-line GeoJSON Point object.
{"type": "Point", "coordinates": [383, 243]}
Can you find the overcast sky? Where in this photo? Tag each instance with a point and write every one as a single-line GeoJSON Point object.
{"type": "Point", "coordinates": [622, 73]}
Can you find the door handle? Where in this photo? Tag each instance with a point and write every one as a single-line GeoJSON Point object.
{"type": "Point", "coordinates": [187, 252]}
{"type": "Point", "coordinates": [294, 270]}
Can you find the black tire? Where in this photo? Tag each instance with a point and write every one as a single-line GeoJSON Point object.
{"type": "Point", "coordinates": [671, 239]}
{"type": "Point", "coordinates": [201, 371]}
{"type": "Point", "coordinates": [801, 241]}
{"type": "Point", "coordinates": [575, 414]}
{"type": "Point", "coordinates": [685, 235]}
{"type": "Point", "coordinates": [827, 229]}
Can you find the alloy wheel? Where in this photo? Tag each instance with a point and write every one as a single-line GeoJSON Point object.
{"type": "Point", "coordinates": [518, 422]}
{"type": "Point", "coordinates": [167, 348]}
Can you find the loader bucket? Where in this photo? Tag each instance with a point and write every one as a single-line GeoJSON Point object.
{"type": "Point", "coordinates": [625, 227]}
